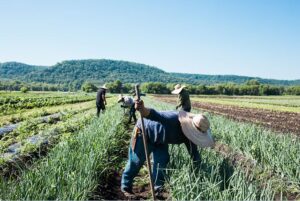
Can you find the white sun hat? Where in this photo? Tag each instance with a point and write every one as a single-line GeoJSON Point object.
{"type": "Point", "coordinates": [177, 89]}
{"type": "Point", "coordinates": [196, 128]}
{"type": "Point", "coordinates": [103, 87]}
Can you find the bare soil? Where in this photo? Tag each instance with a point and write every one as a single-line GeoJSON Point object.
{"type": "Point", "coordinates": [111, 190]}
{"type": "Point", "coordinates": [284, 122]}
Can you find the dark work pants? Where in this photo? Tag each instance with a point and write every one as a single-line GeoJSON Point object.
{"type": "Point", "coordinates": [100, 106]}
{"type": "Point", "coordinates": [186, 109]}
{"type": "Point", "coordinates": [136, 159]}
{"type": "Point", "coordinates": [132, 113]}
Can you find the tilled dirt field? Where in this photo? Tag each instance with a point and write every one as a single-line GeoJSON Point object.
{"type": "Point", "coordinates": [286, 122]}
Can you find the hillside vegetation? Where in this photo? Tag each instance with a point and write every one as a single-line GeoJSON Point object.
{"type": "Point", "coordinates": [102, 70]}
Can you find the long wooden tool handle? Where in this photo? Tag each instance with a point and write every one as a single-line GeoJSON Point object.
{"type": "Point", "coordinates": [137, 92]}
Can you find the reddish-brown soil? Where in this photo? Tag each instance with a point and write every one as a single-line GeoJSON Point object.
{"type": "Point", "coordinates": [111, 190]}
{"type": "Point", "coordinates": [285, 122]}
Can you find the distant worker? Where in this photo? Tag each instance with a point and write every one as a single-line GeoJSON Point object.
{"type": "Point", "coordinates": [164, 128]}
{"type": "Point", "coordinates": [183, 101]}
{"type": "Point", "coordinates": [128, 103]}
{"type": "Point", "coordinates": [101, 100]}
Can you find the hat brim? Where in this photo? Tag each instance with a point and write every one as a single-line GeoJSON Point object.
{"type": "Point", "coordinates": [192, 133]}
{"type": "Point", "coordinates": [103, 87]}
{"type": "Point", "coordinates": [177, 91]}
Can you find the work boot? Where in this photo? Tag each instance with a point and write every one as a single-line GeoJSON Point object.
{"type": "Point", "coordinates": [159, 192]}
{"type": "Point", "coordinates": [127, 191]}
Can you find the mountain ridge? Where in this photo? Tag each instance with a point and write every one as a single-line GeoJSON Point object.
{"type": "Point", "coordinates": [107, 70]}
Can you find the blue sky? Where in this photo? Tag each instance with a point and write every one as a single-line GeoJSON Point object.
{"type": "Point", "coordinates": [241, 37]}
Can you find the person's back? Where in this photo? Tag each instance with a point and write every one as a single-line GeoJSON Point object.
{"type": "Point", "coordinates": [100, 94]}
{"type": "Point", "coordinates": [101, 100]}
{"type": "Point", "coordinates": [128, 101]}
{"type": "Point", "coordinates": [163, 127]}
{"type": "Point", "coordinates": [184, 99]}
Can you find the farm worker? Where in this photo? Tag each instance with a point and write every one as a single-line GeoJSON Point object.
{"type": "Point", "coordinates": [101, 99]}
{"type": "Point", "coordinates": [128, 103]}
{"type": "Point", "coordinates": [183, 101]}
{"type": "Point", "coordinates": [164, 128]}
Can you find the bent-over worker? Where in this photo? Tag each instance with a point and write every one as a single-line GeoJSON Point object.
{"type": "Point", "coordinates": [128, 103]}
{"type": "Point", "coordinates": [162, 129]}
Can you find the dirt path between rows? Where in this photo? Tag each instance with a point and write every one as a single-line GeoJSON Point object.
{"type": "Point", "coordinates": [285, 122]}
{"type": "Point", "coordinates": [111, 190]}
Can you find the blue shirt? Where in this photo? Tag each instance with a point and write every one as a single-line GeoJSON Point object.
{"type": "Point", "coordinates": [164, 128]}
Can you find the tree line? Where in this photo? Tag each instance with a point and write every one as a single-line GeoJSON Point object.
{"type": "Point", "coordinates": [251, 87]}
{"type": "Point", "coordinates": [23, 86]}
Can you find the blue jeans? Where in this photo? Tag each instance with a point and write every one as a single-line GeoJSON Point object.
{"type": "Point", "coordinates": [136, 159]}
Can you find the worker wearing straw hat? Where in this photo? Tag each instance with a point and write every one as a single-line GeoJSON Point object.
{"type": "Point", "coordinates": [183, 98]}
{"type": "Point", "coordinates": [101, 99]}
{"type": "Point", "coordinates": [164, 128]}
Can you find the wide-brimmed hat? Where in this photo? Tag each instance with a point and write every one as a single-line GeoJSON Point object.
{"type": "Point", "coordinates": [103, 87]}
{"type": "Point", "coordinates": [177, 89]}
{"type": "Point", "coordinates": [196, 128]}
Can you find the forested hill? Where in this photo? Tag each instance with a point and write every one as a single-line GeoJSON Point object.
{"type": "Point", "coordinates": [15, 70]}
{"type": "Point", "coordinates": [100, 71]}
{"type": "Point", "coordinates": [214, 79]}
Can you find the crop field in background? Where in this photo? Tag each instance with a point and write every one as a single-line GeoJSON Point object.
{"type": "Point", "coordinates": [275, 103]}
{"type": "Point", "coordinates": [29, 122]}
{"type": "Point", "coordinates": [58, 149]}
{"type": "Point", "coordinates": [279, 113]}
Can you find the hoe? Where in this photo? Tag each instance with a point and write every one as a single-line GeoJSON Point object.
{"type": "Point", "coordinates": [137, 92]}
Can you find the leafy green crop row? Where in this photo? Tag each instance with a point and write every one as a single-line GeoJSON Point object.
{"type": "Point", "coordinates": [215, 179]}
{"type": "Point", "coordinates": [37, 126]}
{"type": "Point", "coordinates": [73, 168]}
{"type": "Point", "coordinates": [41, 102]}
{"type": "Point", "coordinates": [44, 111]}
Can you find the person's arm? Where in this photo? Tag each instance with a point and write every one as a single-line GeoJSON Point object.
{"type": "Point", "coordinates": [149, 113]}
{"type": "Point", "coordinates": [193, 151]}
{"type": "Point", "coordinates": [179, 102]}
{"type": "Point", "coordinates": [104, 98]}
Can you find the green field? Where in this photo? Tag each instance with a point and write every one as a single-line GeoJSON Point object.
{"type": "Point", "coordinates": [275, 103]}
{"type": "Point", "coordinates": [78, 159]}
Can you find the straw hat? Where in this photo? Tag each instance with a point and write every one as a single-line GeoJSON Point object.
{"type": "Point", "coordinates": [177, 89]}
{"type": "Point", "coordinates": [196, 128]}
{"type": "Point", "coordinates": [103, 87]}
